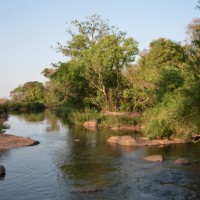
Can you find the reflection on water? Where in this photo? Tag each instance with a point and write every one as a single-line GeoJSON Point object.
{"type": "Point", "coordinates": [89, 163]}
{"type": "Point", "coordinates": [31, 117]}
{"type": "Point", "coordinates": [60, 168]}
{"type": "Point", "coordinates": [48, 116]}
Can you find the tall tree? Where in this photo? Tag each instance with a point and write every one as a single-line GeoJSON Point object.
{"type": "Point", "coordinates": [157, 72]}
{"type": "Point", "coordinates": [193, 30]}
{"type": "Point", "coordinates": [103, 52]}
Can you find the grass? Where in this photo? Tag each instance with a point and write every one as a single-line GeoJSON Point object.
{"type": "Point", "coordinates": [78, 118]}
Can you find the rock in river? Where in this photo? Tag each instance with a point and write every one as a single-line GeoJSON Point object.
{"type": "Point", "coordinates": [182, 161]}
{"type": "Point", "coordinates": [154, 158]}
{"type": "Point", "coordinates": [2, 170]}
{"type": "Point", "coordinates": [9, 141]}
{"type": "Point", "coordinates": [141, 141]}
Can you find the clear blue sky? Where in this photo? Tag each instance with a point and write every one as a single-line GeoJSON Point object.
{"type": "Point", "coordinates": [28, 29]}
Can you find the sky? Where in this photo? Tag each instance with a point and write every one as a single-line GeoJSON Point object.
{"type": "Point", "coordinates": [30, 30]}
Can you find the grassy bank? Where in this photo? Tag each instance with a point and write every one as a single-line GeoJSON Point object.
{"type": "Point", "coordinates": [106, 121]}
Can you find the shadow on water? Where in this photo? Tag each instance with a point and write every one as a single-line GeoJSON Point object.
{"type": "Point", "coordinates": [2, 177]}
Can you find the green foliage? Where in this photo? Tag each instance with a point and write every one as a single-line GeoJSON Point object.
{"type": "Point", "coordinates": [106, 121]}
{"type": "Point", "coordinates": [24, 107]}
{"type": "Point", "coordinates": [3, 108]}
{"type": "Point", "coordinates": [63, 111]}
{"type": "Point", "coordinates": [193, 30]}
{"type": "Point", "coordinates": [28, 92]}
{"type": "Point", "coordinates": [178, 111]}
{"type": "Point", "coordinates": [78, 117]}
{"type": "Point", "coordinates": [72, 88]}
{"type": "Point", "coordinates": [117, 121]}
{"type": "Point", "coordinates": [158, 72]}
{"type": "Point", "coordinates": [93, 77]}
{"type": "Point", "coordinates": [100, 75]}
{"type": "Point", "coordinates": [3, 117]}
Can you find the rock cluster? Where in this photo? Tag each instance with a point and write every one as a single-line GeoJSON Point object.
{"type": "Point", "coordinates": [141, 141]}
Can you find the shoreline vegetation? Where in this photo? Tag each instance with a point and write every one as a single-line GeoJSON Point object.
{"type": "Point", "coordinates": [128, 122]}
{"type": "Point", "coordinates": [157, 95]}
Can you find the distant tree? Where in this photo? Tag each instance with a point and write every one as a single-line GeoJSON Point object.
{"type": "Point", "coordinates": [193, 30]}
{"type": "Point", "coordinates": [32, 91]}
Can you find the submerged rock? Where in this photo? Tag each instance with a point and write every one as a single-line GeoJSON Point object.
{"type": "Point", "coordinates": [182, 161]}
{"type": "Point", "coordinates": [89, 189]}
{"type": "Point", "coordinates": [123, 140]}
{"type": "Point", "coordinates": [154, 158]}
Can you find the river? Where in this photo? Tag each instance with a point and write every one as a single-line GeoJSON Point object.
{"type": "Point", "coordinates": [61, 169]}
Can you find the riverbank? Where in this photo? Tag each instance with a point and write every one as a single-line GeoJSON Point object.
{"type": "Point", "coordinates": [11, 141]}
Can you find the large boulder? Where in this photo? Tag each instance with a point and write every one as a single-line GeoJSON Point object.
{"type": "Point", "coordinates": [2, 170]}
{"type": "Point", "coordinates": [182, 161]}
{"type": "Point", "coordinates": [154, 158]}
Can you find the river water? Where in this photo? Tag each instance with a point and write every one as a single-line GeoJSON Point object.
{"type": "Point", "coordinates": [60, 168]}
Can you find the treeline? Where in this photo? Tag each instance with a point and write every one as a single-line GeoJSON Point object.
{"type": "Point", "coordinates": [101, 74]}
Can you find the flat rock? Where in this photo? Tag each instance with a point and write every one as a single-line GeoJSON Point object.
{"type": "Point", "coordinates": [182, 161]}
{"type": "Point", "coordinates": [154, 158]}
{"type": "Point", "coordinates": [10, 141]}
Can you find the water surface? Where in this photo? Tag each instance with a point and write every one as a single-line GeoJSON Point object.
{"type": "Point", "coordinates": [60, 168]}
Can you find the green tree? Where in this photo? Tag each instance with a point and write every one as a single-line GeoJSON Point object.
{"type": "Point", "coordinates": [193, 31]}
{"type": "Point", "coordinates": [67, 85]}
{"type": "Point", "coordinates": [175, 85]}
{"type": "Point", "coordinates": [156, 73]}
{"type": "Point", "coordinates": [32, 91]}
{"type": "Point", "coordinates": [98, 55]}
